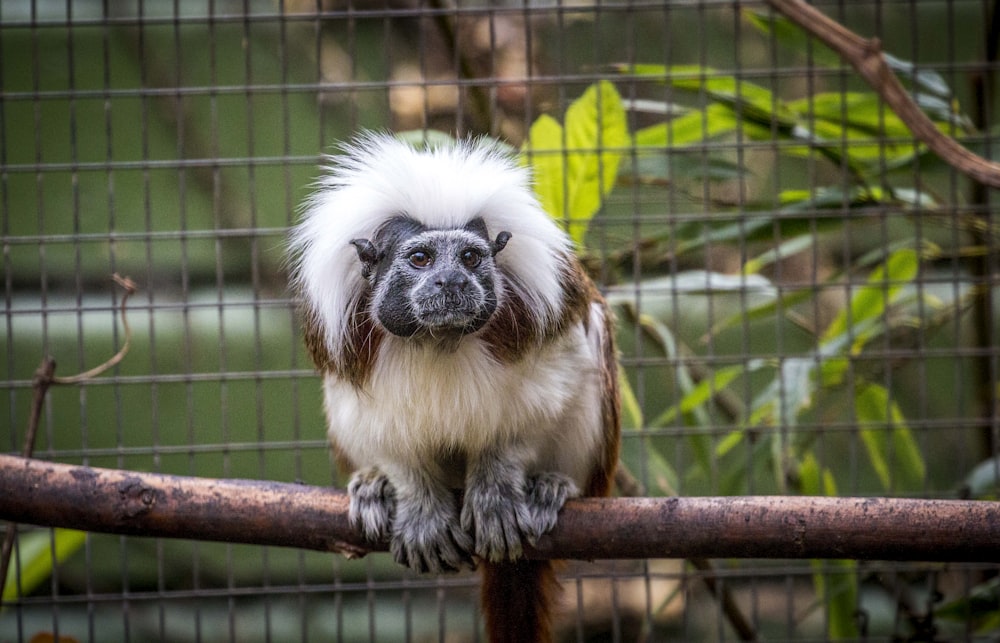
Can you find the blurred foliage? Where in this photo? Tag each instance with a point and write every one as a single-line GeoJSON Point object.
{"type": "Point", "coordinates": [166, 163]}
{"type": "Point", "coordinates": [575, 164]}
{"type": "Point", "coordinates": [767, 406]}
{"type": "Point", "coordinates": [36, 554]}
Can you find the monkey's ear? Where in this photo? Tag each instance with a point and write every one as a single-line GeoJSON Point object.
{"type": "Point", "coordinates": [500, 243]}
{"type": "Point", "coordinates": [367, 253]}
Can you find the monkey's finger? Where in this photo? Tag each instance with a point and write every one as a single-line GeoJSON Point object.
{"type": "Point", "coordinates": [545, 495]}
{"type": "Point", "coordinates": [498, 538]}
{"type": "Point", "coordinates": [449, 551]}
{"type": "Point", "coordinates": [373, 503]}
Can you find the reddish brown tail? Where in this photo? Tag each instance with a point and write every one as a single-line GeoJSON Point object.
{"type": "Point", "coordinates": [517, 600]}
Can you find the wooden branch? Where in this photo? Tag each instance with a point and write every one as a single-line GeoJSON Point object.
{"type": "Point", "coordinates": [865, 55]}
{"type": "Point", "coordinates": [290, 515]}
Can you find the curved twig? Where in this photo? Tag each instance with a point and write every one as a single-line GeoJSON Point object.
{"type": "Point", "coordinates": [130, 289]}
{"type": "Point", "coordinates": [865, 55]}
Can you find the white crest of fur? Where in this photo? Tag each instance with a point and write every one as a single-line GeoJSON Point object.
{"type": "Point", "coordinates": [380, 177]}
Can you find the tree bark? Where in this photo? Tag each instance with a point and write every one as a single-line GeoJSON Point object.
{"type": "Point", "coordinates": [292, 515]}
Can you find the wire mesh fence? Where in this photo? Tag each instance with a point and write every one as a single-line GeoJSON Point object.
{"type": "Point", "coordinates": [804, 294]}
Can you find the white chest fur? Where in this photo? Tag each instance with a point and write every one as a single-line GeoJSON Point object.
{"type": "Point", "coordinates": [421, 402]}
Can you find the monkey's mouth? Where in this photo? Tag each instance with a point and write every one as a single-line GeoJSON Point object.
{"type": "Point", "coordinates": [448, 319]}
{"type": "Point", "coordinates": [450, 314]}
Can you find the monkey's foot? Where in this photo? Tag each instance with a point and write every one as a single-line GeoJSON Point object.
{"type": "Point", "coordinates": [493, 514]}
{"type": "Point", "coordinates": [545, 495]}
{"type": "Point", "coordinates": [373, 503]}
{"type": "Point", "coordinates": [427, 537]}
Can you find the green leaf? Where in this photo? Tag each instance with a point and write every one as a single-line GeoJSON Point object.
{"type": "Point", "coordinates": [596, 136]}
{"type": "Point", "coordinates": [858, 129]}
{"type": "Point", "coordinates": [784, 300]}
{"type": "Point", "coordinates": [764, 228]}
{"type": "Point", "coordinates": [790, 35]}
{"type": "Point", "coordinates": [855, 128]}
{"type": "Point", "coordinates": [887, 439]}
{"type": "Point", "coordinates": [815, 480]}
{"type": "Point", "coordinates": [693, 128]}
{"type": "Point", "coordinates": [35, 561]}
{"type": "Point", "coordinates": [661, 167]}
{"type": "Point", "coordinates": [927, 80]}
{"type": "Point", "coordinates": [631, 409]}
{"type": "Point", "coordinates": [784, 250]}
{"type": "Point", "coordinates": [644, 453]}
{"type": "Point", "coordinates": [576, 164]}
{"type": "Point", "coordinates": [785, 396]}
{"type": "Point", "coordinates": [748, 101]}
{"type": "Point", "coordinates": [981, 606]}
{"type": "Point", "coordinates": [728, 443]}
{"type": "Point", "coordinates": [870, 303]}
{"type": "Point", "coordinates": [983, 482]}
{"type": "Point", "coordinates": [699, 441]}
{"type": "Point", "coordinates": [796, 386]}
{"type": "Point", "coordinates": [835, 581]}
{"type": "Point", "coordinates": [863, 112]}
{"type": "Point", "coordinates": [737, 471]}
{"type": "Point", "coordinates": [832, 198]}
{"type": "Point", "coordinates": [702, 392]}
{"type": "Point", "coordinates": [544, 152]}
{"type": "Point", "coordinates": [760, 227]}
{"type": "Point", "coordinates": [832, 370]}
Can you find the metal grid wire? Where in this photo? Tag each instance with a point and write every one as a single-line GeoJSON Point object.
{"type": "Point", "coordinates": [172, 141]}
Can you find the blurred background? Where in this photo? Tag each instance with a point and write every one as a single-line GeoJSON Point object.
{"type": "Point", "coordinates": [805, 296]}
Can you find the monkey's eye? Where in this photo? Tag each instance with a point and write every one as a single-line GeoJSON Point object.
{"type": "Point", "coordinates": [420, 258]}
{"type": "Point", "coordinates": [470, 257]}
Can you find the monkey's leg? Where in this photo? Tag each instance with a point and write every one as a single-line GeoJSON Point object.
{"type": "Point", "coordinates": [495, 507]}
{"type": "Point", "coordinates": [373, 503]}
{"type": "Point", "coordinates": [426, 535]}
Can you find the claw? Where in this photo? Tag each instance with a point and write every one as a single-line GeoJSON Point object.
{"type": "Point", "coordinates": [428, 537]}
{"type": "Point", "coordinates": [493, 516]}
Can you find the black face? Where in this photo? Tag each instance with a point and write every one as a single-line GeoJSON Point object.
{"type": "Point", "coordinates": [431, 283]}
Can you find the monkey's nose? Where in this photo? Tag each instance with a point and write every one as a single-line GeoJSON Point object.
{"type": "Point", "coordinates": [452, 282]}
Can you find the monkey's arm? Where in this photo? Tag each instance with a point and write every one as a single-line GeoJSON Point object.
{"type": "Point", "coordinates": [503, 504]}
{"type": "Point", "coordinates": [515, 489]}
{"type": "Point", "coordinates": [414, 509]}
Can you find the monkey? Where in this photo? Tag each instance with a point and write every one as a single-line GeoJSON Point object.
{"type": "Point", "coordinates": [468, 363]}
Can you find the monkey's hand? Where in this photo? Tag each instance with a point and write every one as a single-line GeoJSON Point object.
{"type": "Point", "coordinates": [373, 503]}
{"type": "Point", "coordinates": [499, 510]}
{"type": "Point", "coordinates": [492, 513]}
{"type": "Point", "coordinates": [426, 535]}
{"type": "Point", "coordinates": [502, 506]}
{"type": "Point", "coordinates": [546, 493]}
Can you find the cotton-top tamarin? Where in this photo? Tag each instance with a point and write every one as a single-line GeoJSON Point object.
{"type": "Point", "coordinates": [462, 348]}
